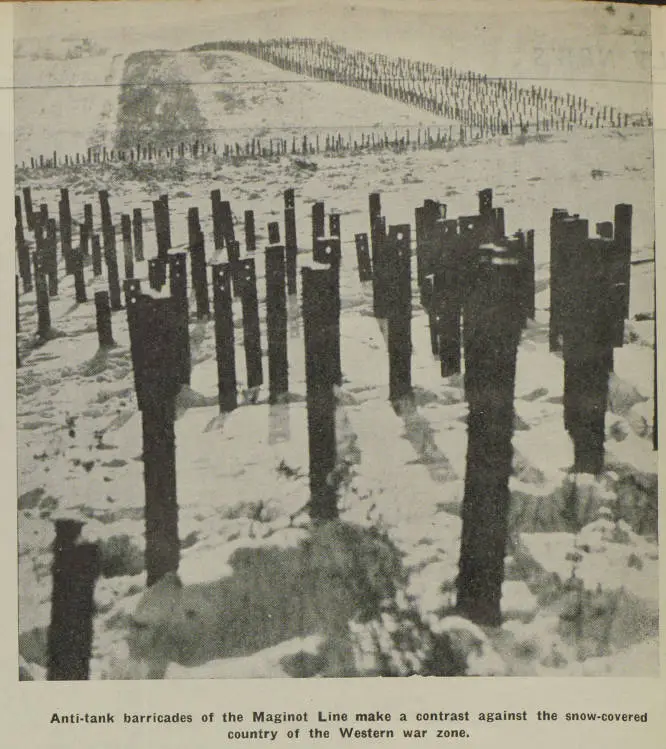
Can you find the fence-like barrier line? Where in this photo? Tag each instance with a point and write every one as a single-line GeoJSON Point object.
{"type": "Point", "coordinates": [475, 283]}
{"type": "Point", "coordinates": [364, 140]}
{"type": "Point", "coordinates": [484, 106]}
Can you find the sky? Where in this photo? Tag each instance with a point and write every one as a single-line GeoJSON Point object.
{"type": "Point", "coordinates": [131, 16]}
{"type": "Point", "coordinates": [548, 40]}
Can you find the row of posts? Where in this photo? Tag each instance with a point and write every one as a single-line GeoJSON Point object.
{"type": "Point", "coordinates": [476, 285]}
{"type": "Point", "coordinates": [491, 106]}
{"type": "Point", "coordinates": [38, 269]}
{"type": "Point", "coordinates": [103, 155]}
{"type": "Point", "coordinates": [254, 148]}
{"type": "Point", "coordinates": [589, 304]}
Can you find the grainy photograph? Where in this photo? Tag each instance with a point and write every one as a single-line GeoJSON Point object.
{"type": "Point", "coordinates": [335, 340]}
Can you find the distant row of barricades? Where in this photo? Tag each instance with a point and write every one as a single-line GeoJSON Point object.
{"type": "Point", "coordinates": [480, 106]}
{"type": "Point", "coordinates": [308, 143]}
{"type": "Point", "coordinates": [483, 105]}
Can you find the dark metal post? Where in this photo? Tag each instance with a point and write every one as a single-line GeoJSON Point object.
{"type": "Point", "coordinates": [65, 217]}
{"type": "Point", "coordinates": [22, 248]}
{"type": "Point", "coordinates": [233, 253]}
{"type": "Point", "coordinates": [251, 331]}
{"type": "Point", "coordinates": [493, 322]}
{"type": "Point", "coordinates": [29, 210]}
{"type": "Point", "coordinates": [334, 225]}
{"type": "Point", "coordinates": [132, 289]}
{"type": "Point", "coordinates": [76, 260]}
{"type": "Point", "coordinates": [112, 267]}
{"type": "Point", "coordinates": [155, 268]}
{"type": "Point", "coordinates": [319, 323]}
{"type": "Point", "coordinates": [42, 294]}
{"type": "Point", "coordinates": [224, 337]}
{"type": "Point", "coordinates": [75, 570]}
{"type": "Point", "coordinates": [218, 231]}
{"type": "Point", "coordinates": [290, 240]}
{"type": "Point", "coordinates": [157, 376]}
{"type": "Point", "coordinates": [363, 258]}
{"type": "Point", "coordinates": [568, 235]}
{"type": "Point", "coordinates": [379, 269]}
{"type": "Point", "coordinates": [623, 217]}
{"type": "Point", "coordinates": [530, 270]}
{"type": "Point", "coordinates": [318, 222]}
{"type": "Point", "coordinates": [273, 233]}
{"type": "Point", "coordinates": [164, 199]}
{"type": "Point", "coordinates": [198, 263]}
{"type": "Point", "coordinates": [162, 230]}
{"type": "Point", "coordinates": [51, 255]}
{"type": "Point", "coordinates": [399, 283]}
{"type": "Point", "coordinates": [137, 229]}
{"type": "Point", "coordinates": [180, 326]}
{"type": "Point", "coordinates": [105, 209]}
{"type": "Point", "coordinates": [449, 287]}
{"type": "Point", "coordinates": [587, 334]}
{"type": "Point", "coordinates": [227, 222]}
{"type": "Point", "coordinates": [88, 217]}
{"type": "Point", "coordinates": [327, 251]}
{"type": "Point", "coordinates": [250, 237]}
{"type": "Point", "coordinates": [103, 316]}
{"type": "Point", "coordinates": [126, 230]}
{"type": "Point", "coordinates": [276, 323]}
{"type": "Point", "coordinates": [96, 255]}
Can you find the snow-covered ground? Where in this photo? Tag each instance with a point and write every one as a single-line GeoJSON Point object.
{"type": "Point", "coordinates": [72, 88]}
{"type": "Point", "coordinates": [234, 91]}
{"type": "Point", "coordinates": [580, 601]}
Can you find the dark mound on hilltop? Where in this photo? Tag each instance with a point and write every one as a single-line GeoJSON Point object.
{"type": "Point", "coordinates": [156, 103]}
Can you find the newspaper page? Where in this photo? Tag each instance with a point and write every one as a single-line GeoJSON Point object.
{"type": "Point", "coordinates": [335, 337]}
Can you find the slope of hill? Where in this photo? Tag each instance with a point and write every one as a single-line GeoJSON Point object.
{"type": "Point", "coordinates": [67, 103]}
{"type": "Point", "coordinates": [245, 97]}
